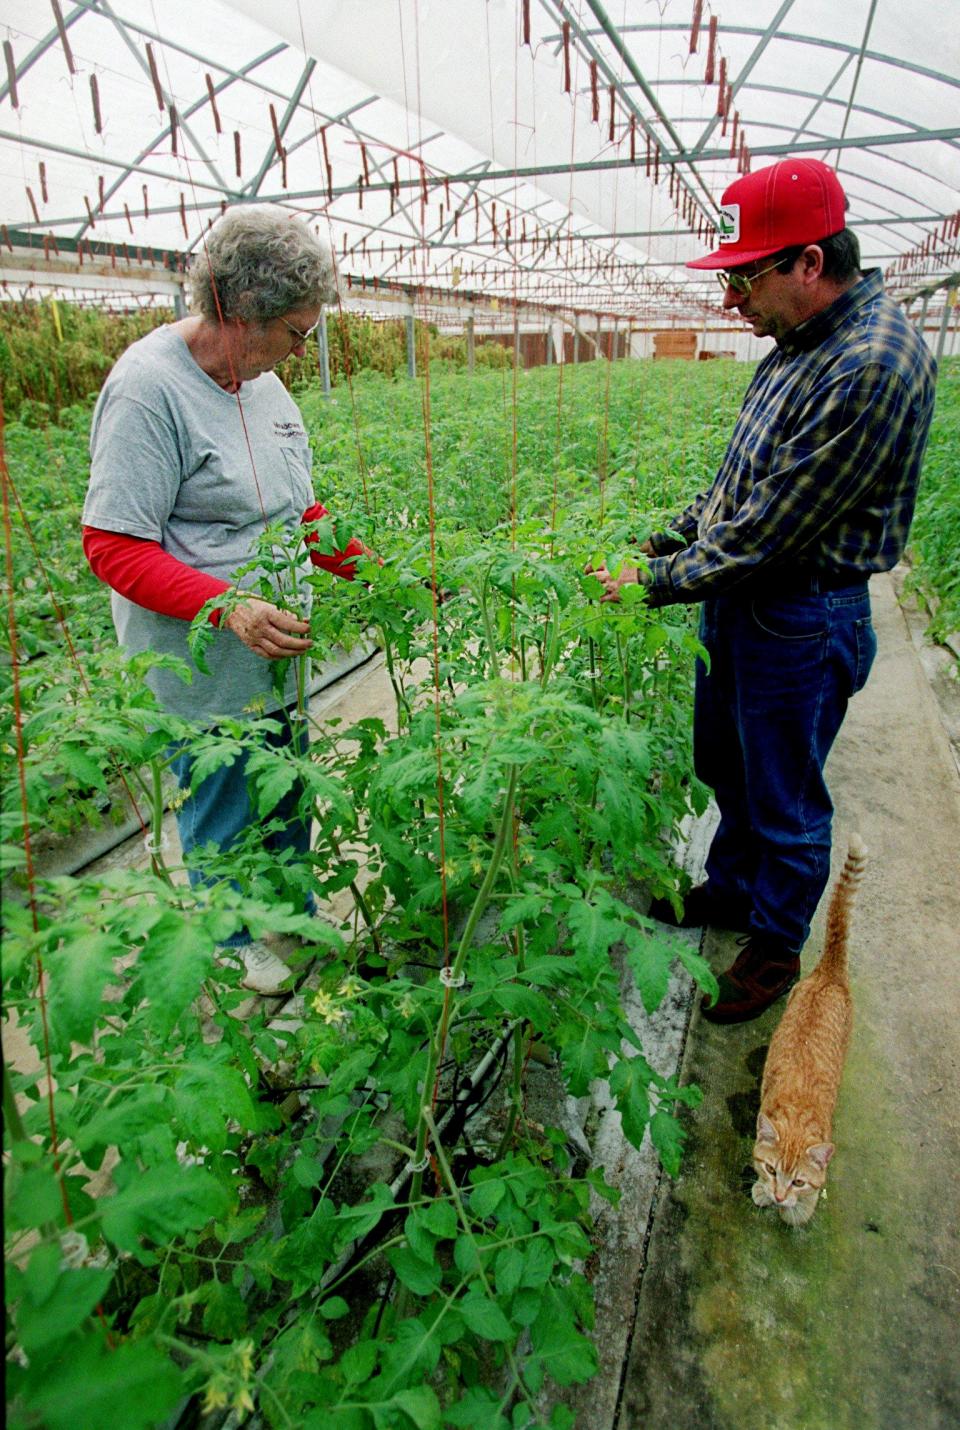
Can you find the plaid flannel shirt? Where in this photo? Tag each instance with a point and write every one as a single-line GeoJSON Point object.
{"type": "Point", "coordinates": [822, 469]}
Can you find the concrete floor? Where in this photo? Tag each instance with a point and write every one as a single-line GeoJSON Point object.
{"type": "Point", "coordinates": [852, 1322]}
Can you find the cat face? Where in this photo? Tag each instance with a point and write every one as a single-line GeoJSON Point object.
{"type": "Point", "coordinates": [789, 1180]}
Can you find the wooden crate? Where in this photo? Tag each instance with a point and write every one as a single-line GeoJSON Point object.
{"type": "Point", "coordinates": [675, 343]}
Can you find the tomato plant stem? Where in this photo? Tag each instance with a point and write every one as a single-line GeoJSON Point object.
{"type": "Point", "coordinates": [479, 904]}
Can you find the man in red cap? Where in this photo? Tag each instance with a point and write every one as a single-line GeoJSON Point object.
{"type": "Point", "coordinates": [815, 493]}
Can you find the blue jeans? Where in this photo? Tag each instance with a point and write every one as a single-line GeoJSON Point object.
{"type": "Point", "coordinates": [783, 668]}
{"type": "Point", "coordinates": [219, 810]}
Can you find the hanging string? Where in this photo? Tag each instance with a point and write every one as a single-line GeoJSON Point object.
{"type": "Point", "coordinates": [186, 165]}
{"type": "Point", "coordinates": [320, 138]}
{"type": "Point", "coordinates": [434, 584]}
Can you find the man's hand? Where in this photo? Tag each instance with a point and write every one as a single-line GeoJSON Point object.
{"type": "Point", "coordinates": [267, 630]}
{"type": "Point", "coordinates": [626, 576]}
{"type": "Point", "coordinates": [646, 548]}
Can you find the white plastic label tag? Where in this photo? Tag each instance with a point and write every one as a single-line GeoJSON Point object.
{"type": "Point", "coordinates": [728, 224]}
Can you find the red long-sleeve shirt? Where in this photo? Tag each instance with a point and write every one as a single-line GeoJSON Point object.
{"type": "Point", "coordinates": [150, 577]}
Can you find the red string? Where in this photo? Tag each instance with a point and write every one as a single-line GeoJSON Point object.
{"type": "Point", "coordinates": [321, 137]}
{"type": "Point", "coordinates": [431, 515]}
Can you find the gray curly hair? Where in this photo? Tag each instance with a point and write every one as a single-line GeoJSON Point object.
{"type": "Point", "coordinates": [260, 263]}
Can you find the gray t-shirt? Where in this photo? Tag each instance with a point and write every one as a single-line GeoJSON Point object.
{"type": "Point", "coordinates": [172, 462]}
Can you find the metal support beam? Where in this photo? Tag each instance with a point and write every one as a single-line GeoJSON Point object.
{"type": "Point", "coordinates": [921, 321]}
{"type": "Point", "coordinates": [856, 78]}
{"type": "Point", "coordinates": [944, 323]}
{"type": "Point", "coordinates": [680, 156]}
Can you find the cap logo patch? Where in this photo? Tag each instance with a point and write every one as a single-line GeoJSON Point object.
{"type": "Point", "coordinates": [728, 224]}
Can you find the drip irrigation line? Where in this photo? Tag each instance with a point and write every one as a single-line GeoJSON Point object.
{"type": "Point", "coordinates": [476, 1080]}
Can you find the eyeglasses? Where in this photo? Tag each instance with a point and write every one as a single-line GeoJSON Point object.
{"type": "Point", "coordinates": [300, 337]}
{"type": "Point", "coordinates": [740, 282]}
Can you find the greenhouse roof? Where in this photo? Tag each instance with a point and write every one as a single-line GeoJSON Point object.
{"type": "Point", "coordinates": [528, 151]}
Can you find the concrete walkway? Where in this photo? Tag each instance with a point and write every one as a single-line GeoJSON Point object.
{"type": "Point", "coordinates": [853, 1322]}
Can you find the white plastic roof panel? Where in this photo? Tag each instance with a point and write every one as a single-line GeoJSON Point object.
{"type": "Point", "coordinates": [481, 175]}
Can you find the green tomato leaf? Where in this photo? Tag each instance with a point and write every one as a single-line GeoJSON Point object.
{"type": "Point", "coordinates": [487, 1196]}
{"type": "Point", "coordinates": [441, 1218]}
{"type": "Point", "coordinates": [477, 1410]}
{"type": "Point", "coordinates": [421, 1277]}
{"type": "Point", "coordinates": [161, 1203]}
{"type": "Point", "coordinates": [174, 961]}
{"type": "Point", "coordinates": [33, 1197]}
{"type": "Point", "coordinates": [590, 928]}
{"type": "Point", "coordinates": [668, 1137]}
{"type": "Point", "coordinates": [650, 961]}
{"type": "Point", "coordinates": [357, 1363]}
{"type": "Point", "coordinates": [225, 1316]}
{"type": "Point", "coordinates": [485, 1318]}
{"type": "Point", "coordinates": [125, 1121]}
{"type": "Point", "coordinates": [699, 970]}
{"type": "Point", "coordinates": [88, 1387]}
{"type": "Point", "coordinates": [420, 1403]}
{"type": "Point", "coordinates": [538, 1263]}
{"type": "Point", "coordinates": [74, 1298]}
{"type": "Point", "coordinates": [525, 909]}
{"type": "Point", "coordinates": [526, 1003]}
{"type": "Point", "coordinates": [629, 1080]}
{"type": "Point", "coordinates": [568, 1356]}
{"type": "Point", "coordinates": [79, 970]}
{"type": "Point", "coordinates": [508, 1269]}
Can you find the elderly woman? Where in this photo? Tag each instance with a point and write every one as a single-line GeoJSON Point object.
{"type": "Point", "coordinates": [195, 447]}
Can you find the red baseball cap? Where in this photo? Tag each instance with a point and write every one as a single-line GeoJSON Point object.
{"type": "Point", "coordinates": [795, 201]}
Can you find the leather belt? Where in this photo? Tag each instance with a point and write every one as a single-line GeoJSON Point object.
{"type": "Point", "coordinates": [811, 582]}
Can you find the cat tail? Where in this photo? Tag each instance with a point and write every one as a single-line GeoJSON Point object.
{"type": "Point", "coordinates": [834, 959]}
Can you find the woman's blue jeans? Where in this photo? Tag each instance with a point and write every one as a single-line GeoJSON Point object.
{"type": "Point", "coordinates": [219, 810]}
{"type": "Point", "coordinates": [782, 669]}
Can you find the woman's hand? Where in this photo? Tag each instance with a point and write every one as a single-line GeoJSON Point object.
{"type": "Point", "coordinates": [267, 630]}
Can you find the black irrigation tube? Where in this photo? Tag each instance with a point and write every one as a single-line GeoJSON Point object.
{"type": "Point", "coordinates": [456, 1117]}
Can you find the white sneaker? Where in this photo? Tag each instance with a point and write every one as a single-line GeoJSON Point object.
{"type": "Point", "coordinates": [264, 972]}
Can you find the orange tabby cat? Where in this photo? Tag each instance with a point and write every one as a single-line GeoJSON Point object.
{"type": "Point", "coordinates": [801, 1076]}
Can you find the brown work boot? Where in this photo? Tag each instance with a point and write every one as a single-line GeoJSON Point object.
{"type": "Point", "coordinates": [702, 906]}
{"type": "Point", "coordinates": [763, 971]}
